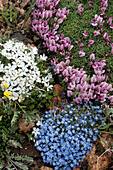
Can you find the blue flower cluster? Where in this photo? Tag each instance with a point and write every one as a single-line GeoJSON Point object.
{"type": "Point", "coordinates": [65, 137]}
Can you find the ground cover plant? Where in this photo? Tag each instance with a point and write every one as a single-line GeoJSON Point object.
{"type": "Point", "coordinates": [65, 138]}
{"type": "Point", "coordinates": [22, 76]}
{"type": "Point", "coordinates": [79, 40]}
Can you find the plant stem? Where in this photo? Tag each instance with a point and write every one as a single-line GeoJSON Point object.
{"type": "Point", "coordinates": [21, 107]}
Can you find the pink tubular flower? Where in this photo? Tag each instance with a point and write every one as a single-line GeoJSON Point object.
{"type": "Point", "coordinates": [81, 45]}
{"type": "Point", "coordinates": [81, 53]}
{"type": "Point", "coordinates": [69, 93]}
{"type": "Point", "coordinates": [85, 34]}
{"type": "Point", "coordinates": [80, 9]}
{"type": "Point", "coordinates": [111, 26]}
{"type": "Point", "coordinates": [96, 32]}
{"type": "Point", "coordinates": [111, 99]}
{"type": "Point", "coordinates": [91, 41]}
{"type": "Point", "coordinates": [92, 56]}
{"type": "Point", "coordinates": [102, 10]}
{"type": "Point", "coordinates": [109, 21]}
{"type": "Point", "coordinates": [89, 2]}
{"type": "Point", "coordinates": [111, 45]}
{"type": "Point", "coordinates": [105, 36]}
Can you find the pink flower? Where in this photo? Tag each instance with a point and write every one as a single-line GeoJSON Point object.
{"type": "Point", "coordinates": [105, 36]}
{"type": "Point", "coordinates": [76, 42]}
{"type": "Point", "coordinates": [94, 79]}
{"type": "Point", "coordinates": [81, 53]}
{"type": "Point", "coordinates": [108, 38]}
{"type": "Point", "coordinates": [81, 45]}
{"type": "Point", "coordinates": [70, 47]}
{"type": "Point", "coordinates": [111, 99]}
{"type": "Point", "coordinates": [65, 72]}
{"type": "Point", "coordinates": [109, 21]}
{"type": "Point", "coordinates": [90, 5]}
{"type": "Point", "coordinates": [111, 45]}
{"type": "Point", "coordinates": [111, 26]}
{"type": "Point", "coordinates": [102, 11]}
{"type": "Point", "coordinates": [96, 32]}
{"type": "Point", "coordinates": [80, 9]}
{"type": "Point", "coordinates": [100, 25]}
{"type": "Point", "coordinates": [112, 51]}
{"type": "Point", "coordinates": [65, 79]}
{"type": "Point", "coordinates": [99, 19]}
{"type": "Point", "coordinates": [69, 93]}
{"type": "Point", "coordinates": [60, 21]}
{"type": "Point", "coordinates": [91, 41]}
{"type": "Point", "coordinates": [92, 56]}
{"type": "Point", "coordinates": [85, 34]}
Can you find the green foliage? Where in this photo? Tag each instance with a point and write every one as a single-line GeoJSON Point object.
{"type": "Point", "coordinates": [16, 161]}
{"type": "Point", "coordinates": [10, 14]}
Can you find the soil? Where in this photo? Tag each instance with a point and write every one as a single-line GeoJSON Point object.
{"type": "Point", "coordinates": [28, 146]}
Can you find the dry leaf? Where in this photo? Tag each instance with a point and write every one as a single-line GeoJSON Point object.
{"type": "Point", "coordinates": [45, 168]}
{"type": "Point", "coordinates": [25, 127]}
{"type": "Point", "coordinates": [57, 89]}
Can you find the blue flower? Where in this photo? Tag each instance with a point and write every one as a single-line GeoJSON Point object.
{"type": "Point", "coordinates": [66, 138]}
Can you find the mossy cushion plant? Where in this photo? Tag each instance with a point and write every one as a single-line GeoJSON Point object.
{"type": "Point", "coordinates": [65, 19]}
{"type": "Point", "coordinates": [75, 25]}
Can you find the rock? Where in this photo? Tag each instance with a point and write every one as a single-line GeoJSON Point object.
{"type": "Point", "coordinates": [21, 37]}
{"type": "Point", "coordinates": [99, 149]}
{"type": "Point", "coordinates": [25, 127]}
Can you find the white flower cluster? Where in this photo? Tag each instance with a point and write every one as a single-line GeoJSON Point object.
{"type": "Point", "coordinates": [22, 71]}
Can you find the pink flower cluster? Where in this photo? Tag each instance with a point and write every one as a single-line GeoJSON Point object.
{"type": "Point", "coordinates": [104, 5]}
{"type": "Point", "coordinates": [78, 85]}
{"type": "Point", "coordinates": [52, 40]}
{"type": "Point", "coordinates": [97, 19]}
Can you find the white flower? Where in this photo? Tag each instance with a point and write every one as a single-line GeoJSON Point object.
{"type": "Point", "coordinates": [49, 75]}
{"type": "Point", "coordinates": [39, 123]}
{"type": "Point", "coordinates": [35, 131]}
{"type": "Point", "coordinates": [22, 72]}
{"type": "Point", "coordinates": [45, 80]}
{"type": "Point", "coordinates": [14, 96]}
{"type": "Point", "coordinates": [49, 87]}
{"type": "Point", "coordinates": [43, 57]}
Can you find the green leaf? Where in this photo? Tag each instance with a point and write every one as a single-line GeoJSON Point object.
{"type": "Point", "coordinates": [1, 164]}
{"type": "Point", "coordinates": [28, 12]}
{"type": "Point", "coordinates": [105, 127]}
{"type": "Point", "coordinates": [14, 119]}
{"type": "Point", "coordinates": [107, 113]}
{"type": "Point", "coordinates": [103, 141]}
{"type": "Point", "coordinates": [107, 132]}
{"type": "Point", "coordinates": [21, 165]}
